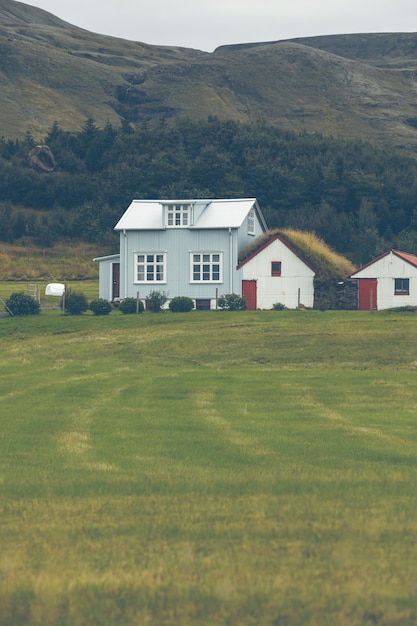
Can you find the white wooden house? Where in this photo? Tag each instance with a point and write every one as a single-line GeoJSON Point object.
{"type": "Point", "coordinates": [192, 248]}
{"type": "Point", "coordinates": [388, 281]}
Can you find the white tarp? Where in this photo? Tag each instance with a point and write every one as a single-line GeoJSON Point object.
{"type": "Point", "coordinates": [55, 289]}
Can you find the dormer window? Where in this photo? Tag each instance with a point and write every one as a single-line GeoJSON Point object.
{"type": "Point", "coordinates": [178, 215]}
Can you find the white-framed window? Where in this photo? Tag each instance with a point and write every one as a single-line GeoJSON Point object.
{"type": "Point", "coordinates": [178, 215]}
{"type": "Point", "coordinates": [206, 267]}
{"type": "Point", "coordinates": [150, 267]}
{"type": "Point", "coordinates": [275, 268]}
{"type": "Point", "coordinates": [401, 286]}
{"type": "Point", "coordinates": [251, 222]}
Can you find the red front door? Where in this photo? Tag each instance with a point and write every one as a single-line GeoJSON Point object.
{"type": "Point", "coordinates": [115, 280]}
{"type": "Point", "coordinates": [367, 294]}
{"type": "Point", "coordinates": [249, 293]}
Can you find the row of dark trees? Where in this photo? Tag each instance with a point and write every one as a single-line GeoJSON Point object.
{"type": "Point", "coordinates": [361, 199]}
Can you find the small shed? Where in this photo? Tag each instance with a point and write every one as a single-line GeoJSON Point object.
{"type": "Point", "coordinates": [275, 274]}
{"type": "Point", "coordinates": [388, 281]}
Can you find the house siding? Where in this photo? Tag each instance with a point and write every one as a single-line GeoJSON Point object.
{"type": "Point", "coordinates": [244, 239]}
{"type": "Point", "coordinates": [178, 244]}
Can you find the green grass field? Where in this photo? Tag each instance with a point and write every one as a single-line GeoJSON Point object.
{"type": "Point", "coordinates": [209, 468]}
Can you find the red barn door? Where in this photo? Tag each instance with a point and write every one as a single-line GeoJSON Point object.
{"type": "Point", "coordinates": [249, 293]}
{"type": "Point", "coordinates": [367, 294]}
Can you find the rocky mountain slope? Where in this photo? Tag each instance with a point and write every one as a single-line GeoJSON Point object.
{"type": "Point", "coordinates": [362, 86]}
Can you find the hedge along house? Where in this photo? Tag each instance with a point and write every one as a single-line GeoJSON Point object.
{"type": "Point", "coordinates": [388, 281]}
{"type": "Point", "coordinates": [275, 274]}
{"type": "Point", "coordinates": [182, 247]}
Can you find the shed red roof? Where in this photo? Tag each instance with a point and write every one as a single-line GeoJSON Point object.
{"type": "Point", "coordinates": [410, 258]}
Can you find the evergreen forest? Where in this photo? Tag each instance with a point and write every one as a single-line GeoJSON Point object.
{"type": "Point", "coordinates": [361, 199]}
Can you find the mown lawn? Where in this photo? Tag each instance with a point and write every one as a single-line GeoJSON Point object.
{"type": "Point", "coordinates": [210, 468]}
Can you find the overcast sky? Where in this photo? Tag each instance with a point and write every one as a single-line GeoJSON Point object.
{"type": "Point", "coordinates": [207, 24]}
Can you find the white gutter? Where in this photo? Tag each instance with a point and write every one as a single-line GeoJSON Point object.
{"type": "Point", "coordinates": [230, 259]}
{"type": "Point", "coordinates": [125, 263]}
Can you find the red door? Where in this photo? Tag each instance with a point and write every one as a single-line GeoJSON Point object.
{"type": "Point", "coordinates": [115, 280]}
{"type": "Point", "coordinates": [249, 293]}
{"type": "Point", "coordinates": [367, 294]}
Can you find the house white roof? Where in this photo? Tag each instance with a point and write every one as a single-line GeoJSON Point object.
{"type": "Point", "coordinates": [149, 214]}
{"type": "Point", "coordinates": [225, 213]}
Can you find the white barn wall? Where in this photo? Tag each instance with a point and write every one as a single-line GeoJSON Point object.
{"type": "Point", "coordinates": [295, 285]}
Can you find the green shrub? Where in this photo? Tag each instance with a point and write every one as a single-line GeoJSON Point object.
{"type": "Point", "coordinates": [155, 301]}
{"type": "Point", "coordinates": [75, 303]}
{"type": "Point", "coordinates": [278, 306]}
{"type": "Point", "coordinates": [100, 307]}
{"type": "Point", "coordinates": [131, 305]}
{"type": "Point", "coordinates": [22, 304]}
{"type": "Point", "coordinates": [181, 304]}
{"type": "Point", "coordinates": [232, 302]}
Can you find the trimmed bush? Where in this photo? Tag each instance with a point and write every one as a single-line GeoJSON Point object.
{"type": "Point", "coordinates": [22, 304]}
{"type": "Point", "coordinates": [100, 307]}
{"type": "Point", "coordinates": [232, 302]}
{"type": "Point", "coordinates": [181, 304]}
{"type": "Point", "coordinates": [155, 301]}
{"type": "Point", "coordinates": [131, 305]}
{"type": "Point", "coordinates": [75, 303]}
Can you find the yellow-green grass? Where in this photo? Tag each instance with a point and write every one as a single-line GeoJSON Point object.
{"type": "Point", "coordinates": [208, 468]}
{"type": "Point", "coordinates": [58, 263]}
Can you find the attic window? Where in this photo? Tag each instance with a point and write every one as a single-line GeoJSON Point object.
{"type": "Point", "coordinates": [402, 287]}
{"type": "Point", "coordinates": [275, 268]}
{"type": "Point", "coordinates": [251, 222]}
{"type": "Point", "coordinates": [177, 215]}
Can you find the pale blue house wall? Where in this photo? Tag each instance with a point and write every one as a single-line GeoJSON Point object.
{"type": "Point", "coordinates": [178, 244]}
{"type": "Point", "coordinates": [244, 239]}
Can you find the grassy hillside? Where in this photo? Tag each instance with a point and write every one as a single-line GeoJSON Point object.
{"type": "Point", "coordinates": [345, 86]}
{"type": "Point", "coordinates": [208, 468]}
{"type": "Point", "coordinates": [54, 264]}
{"type": "Point", "coordinates": [53, 71]}
{"type": "Point", "coordinates": [382, 49]}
